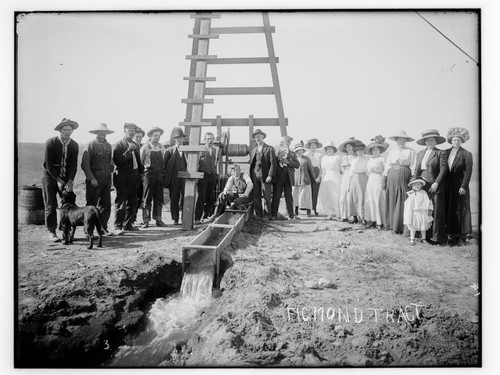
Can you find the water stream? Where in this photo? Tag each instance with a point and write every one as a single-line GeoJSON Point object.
{"type": "Point", "coordinates": [169, 321]}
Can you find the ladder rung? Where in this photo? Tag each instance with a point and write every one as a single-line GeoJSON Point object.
{"type": "Point", "coordinates": [201, 57]}
{"type": "Point", "coordinates": [199, 79]}
{"type": "Point", "coordinates": [240, 30]}
{"type": "Point", "coordinates": [195, 123]}
{"type": "Point", "coordinates": [239, 90]}
{"type": "Point", "coordinates": [203, 36]}
{"type": "Point", "coordinates": [197, 101]}
{"type": "Point", "coordinates": [257, 122]}
{"type": "Point", "coordinates": [242, 60]}
{"type": "Point", "coordinates": [205, 15]}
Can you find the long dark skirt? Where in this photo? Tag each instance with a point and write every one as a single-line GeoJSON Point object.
{"type": "Point", "coordinates": [397, 186]}
{"type": "Point", "coordinates": [459, 216]}
{"type": "Point", "coordinates": [437, 232]}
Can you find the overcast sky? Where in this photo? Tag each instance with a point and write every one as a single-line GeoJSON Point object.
{"type": "Point", "coordinates": [342, 74]}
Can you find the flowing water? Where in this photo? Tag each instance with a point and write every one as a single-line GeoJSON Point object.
{"type": "Point", "coordinates": [170, 320]}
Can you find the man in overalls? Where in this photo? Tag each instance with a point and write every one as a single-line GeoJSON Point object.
{"type": "Point", "coordinates": [152, 154]}
{"type": "Point", "coordinates": [97, 164]}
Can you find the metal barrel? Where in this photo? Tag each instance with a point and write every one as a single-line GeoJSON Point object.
{"type": "Point", "coordinates": [238, 150]}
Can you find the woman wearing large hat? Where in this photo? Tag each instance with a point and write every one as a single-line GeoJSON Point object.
{"type": "Point", "coordinates": [312, 146]}
{"type": "Point", "coordinates": [329, 190]}
{"type": "Point", "coordinates": [357, 184]}
{"type": "Point", "coordinates": [375, 197]}
{"type": "Point", "coordinates": [399, 167]}
{"type": "Point", "coordinates": [432, 166]}
{"type": "Point", "coordinates": [459, 162]}
{"type": "Point", "coordinates": [347, 154]}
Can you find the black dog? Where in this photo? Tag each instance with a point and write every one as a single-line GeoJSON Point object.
{"type": "Point", "coordinates": [73, 216]}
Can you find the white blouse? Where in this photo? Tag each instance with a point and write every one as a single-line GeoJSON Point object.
{"type": "Point", "coordinates": [402, 156]}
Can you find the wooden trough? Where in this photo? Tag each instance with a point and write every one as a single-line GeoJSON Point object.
{"type": "Point", "coordinates": [215, 238]}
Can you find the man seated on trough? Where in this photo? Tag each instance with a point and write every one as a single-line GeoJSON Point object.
{"type": "Point", "coordinates": [237, 190]}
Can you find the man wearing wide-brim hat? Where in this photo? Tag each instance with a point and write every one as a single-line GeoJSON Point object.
{"type": "Point", "coordinates": [60, 164]}
{"type": "Point", "coordinates": [312, 146]}
{"type": "Point", "coordinates": [97, 164]}
{"type": "Point", "coordinates": [175, 161]}
{"type": "Point", "coordinates": [152, 158]}
{"type": "Point", "coordinates": [432, 165]}
{"type": "Point", "coordinates": [127, 174]}
{"type": "Point", "coordinates": [262, 170]}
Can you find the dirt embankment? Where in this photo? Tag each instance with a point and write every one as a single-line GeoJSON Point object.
{"type": "Point", "coordinates": [293, 297]}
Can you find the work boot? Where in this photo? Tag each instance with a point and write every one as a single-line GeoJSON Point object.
{"type": "Point", "coordinates": [160, 223]}
{"type": "Point", "coordinates": [53, 236]}
{"type": "Point", "coordinates": [145, 225]}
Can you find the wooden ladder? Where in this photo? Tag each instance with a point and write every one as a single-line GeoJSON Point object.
{"type": "Point", "coordinates": [197, 90]}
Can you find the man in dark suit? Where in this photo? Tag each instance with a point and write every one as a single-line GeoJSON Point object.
{"type": "Point", "coordinates": [262, 170]}
{"type": "Point", "coordinates": [128, 170]}
{"type": "Point", "coordinates": [206, 185]}
{"type": "Point", "coordinates": [285, 177]}
{"type": "Point", "coordinates": [175, 161]}
{"type": "Point", "coordinates": [431, 165]}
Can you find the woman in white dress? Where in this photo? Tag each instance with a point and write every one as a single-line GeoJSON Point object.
{"type": "Point", "coordinates": [375, 195]}
{"type": "Point", "coordinates": [329, 189]}
{"type": "Point", "coordinates": [357, 184]}
{"type": "Point", "coordinates": [345, 164]}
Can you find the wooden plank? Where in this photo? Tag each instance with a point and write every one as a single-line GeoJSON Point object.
{"type": "Point", "coordinates": [257, 122]}
{"type": "Point", "coordinates": [193, 148]}
{"type": "Point", "coordinates": [241, 60]}
{"type": "Point", "coordinates": [192, 73]}
{"type": "Point", "coordinates": [198, 123]}
{"type": "Point", "coordinates": [230, 226]}
{"type": "Point", "coordinates": [251, 124]}
{"type": "Point", "coordinates": [203, 36]}
{"type": "Point", "coordinates": [199, 79]}
{"type": "Point", "coordinates": [200, 247]}
{"type": "Point", "coordinates": [197, 101]}
{"type": "Point", "coordinates": [205, 15]}
{"type": "Point", "coordinates": [227, 239]}
{"type": "Point", "coordinates": [240, 30]}
{"type": "Point", "coordinates": [274, 73]}
{"type": "Point", "coordinates": [188, 174]}
{"type": "Point", "coordinates": [201, 57]}
{"type": "Point", "coordinates": [239, 90]}
{"type": "Point", "coordinates": [202, 237]}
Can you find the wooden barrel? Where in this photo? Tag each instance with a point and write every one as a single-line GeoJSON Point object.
{"type": "Point", "coordinates": [30, 205]}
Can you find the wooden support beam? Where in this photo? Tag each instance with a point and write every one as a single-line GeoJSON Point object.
{"type": "Point", "coordinates": [199, 79]}
{"type": "Point", "coordinates": [188, 174]}
{"type": "Point", "coordinates": [192, 73]}
{"type": "Point", "coordinates": [241, 60]}
{"type": "Point", "coordinates": [239, 90]}
{"type": "Point", "coordinates": [193, 148]}
{"type": "Point", "coordinates": [203, 36]}
{"type": "Point", "coordinates": [197, 101]}
{"type": "Point", "coordinates": [205, 15]}
{"type": "Point", "coordinates": [198, 123]}
{"type": "Point", "coordinates": [240, 30]}
{"type": "Point", "coordinates": [201, 57]}
{"type": "Point", "coordinates": [258, 122]}
{"type": "Point", "coordinates": [251, 124]}
{"type": "Point", "coordinates": [200, 247]}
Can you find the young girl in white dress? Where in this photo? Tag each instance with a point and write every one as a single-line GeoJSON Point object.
{"type": "Point", "coordinates": [417, 209]}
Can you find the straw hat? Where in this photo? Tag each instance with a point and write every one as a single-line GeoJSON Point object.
{"type": "Point", "coordinates": [417, 179]}
{"type": "Point", "coordinates": [330, 144]}
{"type": "Point", "coordinates": [155, 129]}
{"type": "Point", "coordinates": [379, 142]}
{"type": "Point", "coordinates": [430, 133]}
{"type": "Point", "coordinates": [102, 128]}
{"type": "Point", "coordinates": [258, 131]}
{"type": "Point", "coordinates": [401, 134]}
{"type": "Point", "coordinates": [313, 140]}
{"type": "Point", "coordinates": [287, 138]}
{"type": "Point", "coordinates": [461, 133]}
{"type": "Point", "coordinates": [64, 122]}
{"type": "Point", "coordinates": [298, 147]}
{"type": "Point", "coordinates": [351, 141]}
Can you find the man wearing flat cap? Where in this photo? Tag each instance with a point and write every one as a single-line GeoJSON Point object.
{"type": "Point", "coordinates": [175, 161]}
{"type": "Point", "coordinates": [262, 170]}
{"type": "Point", "coordinates": [127, 173]}
{"type": "Point", "coordinates": [152, 155]}
{"type": "Point", "coordinates": [97, 164]}
{"type": "Point", "coordinates": [285, 176]}
{"type": "Point", "coordinates": [60, 164]}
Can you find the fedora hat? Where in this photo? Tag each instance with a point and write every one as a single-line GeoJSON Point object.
{"type": "Point", "coordinates": [177, 132]}
{"type": "Point", "coordinates": [351, 141]}
{"type": "Point", "coordinates": [313, 140]}
{"type": "Point", "coordinates": [64, 122]}
{"type": "Point", "coordinates": [430, 133]}
{"type": "Point", "coordinates": [330, 144]}
{"type": "Point", "coordinates": [461, 133]}
{"type": "Point", "coordinates": [129, 125]}
{"type": "Point", "coordinates": [379, 142]}
{"type": "Point", "coordinates": [287, 138]}
{"type": "Point", "coordinates": [102, 128]}
{"type": "Point", "coordinates": [155, 129]}
{"type": "Point", "coordinates": [417, 179]}
{"type": "Point", "coordinates": [298, 147]}
{"type": "Point", "coordinates": [401, 134]}
{"type": "Point", "coordinates": [139, 130]}
{"type": "Point", "coordinates": [258, 131]}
